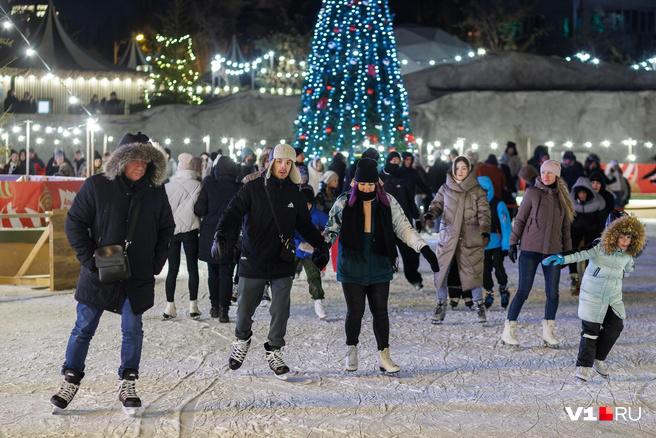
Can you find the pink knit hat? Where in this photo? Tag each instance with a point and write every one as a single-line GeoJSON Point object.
{"type": "Point", "coordinates": [552, 166]}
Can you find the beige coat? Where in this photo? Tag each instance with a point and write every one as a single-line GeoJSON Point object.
{"type": "Point", "coordinates": [465, 216]}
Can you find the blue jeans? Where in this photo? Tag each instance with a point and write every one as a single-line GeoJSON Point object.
{"type": "Point", "coordinates": [86, 324]}
{"type": "Point", "coordinates": [528, 266]}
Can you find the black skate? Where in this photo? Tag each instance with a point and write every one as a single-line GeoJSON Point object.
{"type": "Point", "coordinates": [67, 390]}
{"type": "Point", "coordinates": [489, 298]}
{"type": "Point", "coordinates": [238, 353]}
{"type": "Point", "coordinates": [127, 393]}
{"type": "Point", "coordinates": [439, 313]}
{"type": "Point", "coordinates": [277, 365]}
{"type": "Point", "coordinates": [505, 296]}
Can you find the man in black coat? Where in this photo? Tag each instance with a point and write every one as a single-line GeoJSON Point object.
{"type": "Point", "coordinates": [217, 191]}
{"type": "Point", "coordinates": [571, 169]}
{"type": "Point", "coordinates": [130, 191]}
{"type": "Point", "coordinates": [399, 183]}
{"type": "Point", "coordinates": [269, 208]}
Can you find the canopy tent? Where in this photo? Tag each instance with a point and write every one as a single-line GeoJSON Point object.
{"type": "Point", "coordinates": [54, 46]}
{"type": "Point", "coordinates": [417, 46]}
{"type": "Point", "coordinates": [133, 58]}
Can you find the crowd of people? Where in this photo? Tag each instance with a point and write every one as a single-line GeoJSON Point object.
{"type": "Point", "coordinates": [28, 105]}
{"type": "Point", "coordinates": [257, 223]}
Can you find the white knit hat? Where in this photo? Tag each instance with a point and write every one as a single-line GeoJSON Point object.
{"type": "Point", "coordinates": [285, 152]}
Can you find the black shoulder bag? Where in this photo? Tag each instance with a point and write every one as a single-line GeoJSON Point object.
{"type": "Point", "coordinates": [112, 260]}
{"type": "Point", "coordinates": [288, 251]}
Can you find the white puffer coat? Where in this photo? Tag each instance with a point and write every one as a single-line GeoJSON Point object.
{"type": "Point", "coordinates": [183, 190]}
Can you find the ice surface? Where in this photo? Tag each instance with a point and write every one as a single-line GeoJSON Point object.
{"type": "Point", "coordinates": [456, 379]}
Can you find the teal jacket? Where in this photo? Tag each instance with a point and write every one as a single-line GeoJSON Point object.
{"type": "Point", "coordinates": [367, 267]}
{"type": "Point", "coordinates": [602, 282]}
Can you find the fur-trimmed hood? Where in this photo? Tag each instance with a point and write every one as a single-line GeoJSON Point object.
{"type": "Point", "coordinates": [156, 171]}
{"type": "Point", "coordinates": [627, 225]}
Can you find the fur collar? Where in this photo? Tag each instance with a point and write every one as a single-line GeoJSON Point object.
{"type": "Point", "coordinates": [156, 171]}
{"type": "Point", "coordinates": [628, 225]}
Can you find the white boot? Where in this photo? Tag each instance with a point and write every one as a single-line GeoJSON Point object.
{"type": "Point", "coordinates": [549, 333]}
{"type": "Point", "coordinates": [170, 311]}
{"type": "Point", "coordinates": [601, 367]}
{"type": "Point", "coordinates": [583, 373]}
{"type": "Point", "coordinates": [319, 310]}
{"type": "Point", "coordinates": [509, 335]}
{"type": "Point", "coordinates": [386, 363]}
{"type": "Point", "coordinates": [194, 313]}
{"type": "Point", "coordinates": [352, 358]}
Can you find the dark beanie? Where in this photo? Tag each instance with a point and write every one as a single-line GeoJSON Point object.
{"type": "Point", "coordinates": [371, 153]}
{"type": "Point", "coordinates": [367, 171]}
{"type": "Point", "coordinates": [308, 194]}
{"type": "Point", "coordinates": [405, 155]}
{"type": "Point", "coordinates": [299, 151]}
{"type": "Point", "coordinates": [134, 138]}
{"type": "Point", "coordinates": [492, 159]}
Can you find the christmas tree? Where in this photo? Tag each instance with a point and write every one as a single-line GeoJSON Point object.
{"type": "Point", "coordinates": [175, 73]}
{"type": "Point", "coordinates": [353, 95]}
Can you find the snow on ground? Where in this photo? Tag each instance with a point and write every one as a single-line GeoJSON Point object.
{"type": "Point", "coordinates": [456, 379]}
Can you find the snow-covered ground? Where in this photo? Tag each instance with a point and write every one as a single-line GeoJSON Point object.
{"type": "Point", "coordinates": [456, 379]}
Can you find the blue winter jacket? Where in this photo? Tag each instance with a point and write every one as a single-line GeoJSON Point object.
{"type": "Point", "coordinates": [497, 240]}
{"type": "Point", "coordinates": [319, 220]}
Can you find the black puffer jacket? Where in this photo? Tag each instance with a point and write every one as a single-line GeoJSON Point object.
{"type": "Point", "coordinates": [99, 216]}
{"type": "Point", "coordinates": [399, 182]}
{"type": "Point", "coordinates": [216, 193]}
{"type": "Point", "coordinates": [261, 246]}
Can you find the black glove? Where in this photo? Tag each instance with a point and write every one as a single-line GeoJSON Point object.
{"type": "Point", "coordinates": [321, 256]}
{"type": "Point", "coordinates": [215, 251]}
{"type": "Point", "coordinates": [512, 253]}
{"type": "Point", "coordinates": [431, 258]}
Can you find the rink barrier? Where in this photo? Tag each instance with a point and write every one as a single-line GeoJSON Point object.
{"type": "Point", "coordinates": [47, 261]}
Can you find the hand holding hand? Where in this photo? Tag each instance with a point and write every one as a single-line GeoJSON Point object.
{"type": "Point", "coordinates": [431, 258]}
{"type": "Point", "coordinates": [512, 253]}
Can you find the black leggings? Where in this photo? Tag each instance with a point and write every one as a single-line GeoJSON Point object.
{"type": "Point", "coordinates": [377, 295]}
{"type": "Point", "coordinates": [219, 282]}
{"type": "Point", "coordinates": [598, 339]}
{"type": "Point", "coordinates": [190, 243]}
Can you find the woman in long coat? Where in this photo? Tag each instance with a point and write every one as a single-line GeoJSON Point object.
{"type": "Point", "coordinates": [464, 233]}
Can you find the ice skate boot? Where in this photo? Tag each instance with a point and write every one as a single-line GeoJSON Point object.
{"type": "Point", "coordinates": [67, 390]}
{"type": "Point", "coordinates": [277, 365]}
{"type": "Point", "coordinates": [439, 313]}
{"type": "Point", "coordinates": [352, 358]}
{"type": "Point", "coordinates": [238, 353]}
{"type": "Point", "coordinates": [386, 364]}
{"type": "Point", "coordinates": [127, 393]}
{"type": "Point", "coordinates": [509, 335]}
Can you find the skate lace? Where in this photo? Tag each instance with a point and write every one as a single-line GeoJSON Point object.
{"type": "Point", "coordinates": [128, 390]}
{"type": "Point", "coordinates": [67, 390]}
{"type": "Point", "coordinates": [239, 350]}
{"type": "Point", "coordinates": [275, 359]}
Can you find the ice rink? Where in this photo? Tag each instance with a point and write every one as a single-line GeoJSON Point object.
{"type": "Point", "coordinates": [456, 379]}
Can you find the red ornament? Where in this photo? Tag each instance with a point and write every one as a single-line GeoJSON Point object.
{"type": "Point", "coordinates": [309, 91]}
{"type": "Point", "coordinates": [329, 87]}
{"type": "Point", "coordinates": [356, 127]}
{"type": "Point", "coordinates": [336, 29]}
{"type": "Point", "coordinates": [370, 91]}
{"type": "Point", "coordinates": [329, 129]}
{"type": "Point", "coordinates": [302, 137]}
{"type": "Point", "coordinates": [352, 28]}
{"type": "Point", "coordinates": [410, 138]}
{"type": "Point", "coordinates": [371, 70]}
{"type": "Point", "coordinates": [322, 104]}
{"type": "Point", "coordinates": [400, 128]}
{"type": "Point", "coordinates": [373, 138]}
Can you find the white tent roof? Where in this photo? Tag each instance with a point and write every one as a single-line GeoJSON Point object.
{"type": "Point", "coordinates": [417, 46]}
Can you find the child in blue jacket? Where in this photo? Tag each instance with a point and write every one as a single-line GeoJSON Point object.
{"type": "Point", "coordinates": [497, 248]}
{"type": "Point", "coordinates": [304, 253]}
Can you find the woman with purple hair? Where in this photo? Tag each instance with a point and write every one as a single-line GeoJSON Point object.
{"type": "Point", "coordinates": [366, 220]}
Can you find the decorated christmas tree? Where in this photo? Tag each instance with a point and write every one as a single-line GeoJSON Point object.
{"type": "Point", "coordinates": [175, 72]}
{"type": "Point", "coordinates": [353, 95]}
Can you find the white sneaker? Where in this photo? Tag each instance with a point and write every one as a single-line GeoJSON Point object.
{"type": "Point", "coordinates": [319, 310]}
{"type": "Point", "coordinates": [352, 358]}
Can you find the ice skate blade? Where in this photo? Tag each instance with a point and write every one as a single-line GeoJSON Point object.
{"type": "Point", "coordinates": [515, 346]}
{"type": "Point", "coordinates": [389, 373]}
{"type": "Point", "coordinates": [132, 412]}
{"type": "Point", "coordinates": [282, 377]}
{"type": "Point", "coordinates": [434, 322]}
{"type": "Point", "coordinates": [350, 370]}
{"type": "Point", "coordinates": [56, 410]}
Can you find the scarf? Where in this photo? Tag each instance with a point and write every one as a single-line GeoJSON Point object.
{"type": "Point", "coordinates": [352, 229]}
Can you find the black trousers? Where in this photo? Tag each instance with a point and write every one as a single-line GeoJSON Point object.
{"type": "Point", "coordinates": [377, 296]}
{"type": "Point", "coordinates": [219, 283]}
{"type": "Point", "coordinates": [598, 339]}
{"type": "Point", "coordinates": [494, 260]}
{"type": "Point", "coordinates": [410, 262]}
{"type": "Point", "coordinates": [188, 241]}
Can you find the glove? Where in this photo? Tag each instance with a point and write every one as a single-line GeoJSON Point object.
{"type": "Point", "coordinates": [512, 253]}
{"type": "Point", "coordinates": [431, 258]}
{"type": "Point", "coordinates": [215, 251]}
{"type": "Point", "coordinates": [504, 253]}
{"type": "Point", "coordinates": [554, 260]}
{"type": "Point", "coordinates": [321, 256]}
